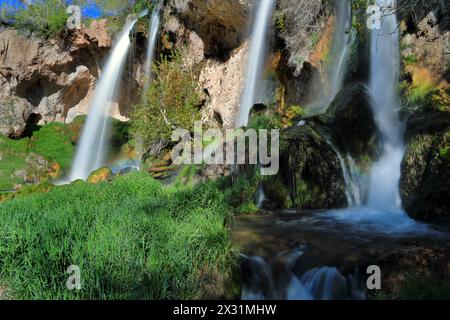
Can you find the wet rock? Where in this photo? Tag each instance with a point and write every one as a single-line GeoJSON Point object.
{"type": "Point", "coordinates": [352, 124]}
{"type": "Point", "coordinates": [309, 171]}
{"type": "Point", "coordinates": [425, 175]}
{"type": "Point", "coordinates": [100, 175]}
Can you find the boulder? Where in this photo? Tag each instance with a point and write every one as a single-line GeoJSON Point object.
{"type": "Point", "coordinates": [425, 175]}
{"type": "Point", "coordinates": [14, 115]}
{"type": "Point", "coordinates": [310, 176]}
{"type": "Point", "coordinates": [352, 124]}
{"type": "Point", "coordinates": [100, 175]}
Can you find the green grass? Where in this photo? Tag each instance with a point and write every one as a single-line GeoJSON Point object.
{"type": "Point", "coordinates": [132, 239]}
{"type": "Point", "coordinates": [53, 141]}
{"type": "Point", "coordinates": [12, 159]}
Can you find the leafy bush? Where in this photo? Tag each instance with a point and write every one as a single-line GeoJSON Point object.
{"type": "Point", "coordinates": [46, 17]}
{"type": "Point", "coordinates": [171, 102]}
{"type": "Point", "coordinates": [132, 239]}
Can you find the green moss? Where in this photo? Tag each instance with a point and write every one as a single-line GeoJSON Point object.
{"type": "Point", "coordinates": [445, 153]}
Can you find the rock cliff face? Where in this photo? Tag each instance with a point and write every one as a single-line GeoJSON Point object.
{"type": "Point", "coordinates": [43, 81]}
{"type": "Point", "coordinates": [426, 57]}
{"type": "Point", "coordinates": [214, 35]}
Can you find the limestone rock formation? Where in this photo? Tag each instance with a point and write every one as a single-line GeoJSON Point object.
{"type": "Point", "coordinates": [213, 35]}
{"type": "Point", "coordinates": [43, 81]}
{"type": "Point", "coordinates": [220, 24]}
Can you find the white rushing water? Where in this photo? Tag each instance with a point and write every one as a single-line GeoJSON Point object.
{"type": "Point", "coordinates": [92, 146]}
{"type": "Point", "coordinates": [340, 46]}
{"type": "Point", "coordinates": [255, 64]}
{"type": "Point", "coordinates": [353, 186]}
{"type": "Point", "coordinates": [383, 211]}
{"type": "Point", "coordinates": [384, 80]}
{"type": "Point", "coordinates": [324, 283]}
{"type": "Point", "coordinates": [152, 37]}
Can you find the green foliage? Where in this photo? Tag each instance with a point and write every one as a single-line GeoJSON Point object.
{"type": "Point", "coordinates": [445, 153]}
{"type": "Point", "coordinates": [12, 159]}
{"type": "Point", "coordinates": [410, 59]}
{"type": "Point", "coordinates": [132, 239]}
{"type": "Point", "coordinates": [240, 192]}
{"type": "Point", "coordinates": [424, 287]}
{"type": "Point", "coordinates": [171, 102]}
{"type": "Point", "coordinates": [280, 21]}
{"type": "Point", "coordinates": [264, 121]}
{"type": "Point", "coordinates": [46, 17]}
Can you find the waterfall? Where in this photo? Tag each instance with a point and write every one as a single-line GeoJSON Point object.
{"type": "Point", "coordinates": [260, 196]}
{"type": "Point", "coordinates": [384, 79]}
{"type": "Point", "coordinates": [383, 211]}
{"type": "Point", "coordinates": [256, 60]}
{"type": "Point", "coordinates": [340, 46]}
{"type": "Point", "coordinates": [152, 37]}
{"type": "Point", "coordinates": [351, 178]}
{"type": "Point", "coordinates": [90, 153]}
{"type": "Point", "coordinates": [268, 282]}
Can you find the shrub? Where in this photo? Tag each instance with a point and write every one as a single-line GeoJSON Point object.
{"type": "Point", "coordinates": [171, 102]}
{"type": "Point", "coordinates": [46, 17]}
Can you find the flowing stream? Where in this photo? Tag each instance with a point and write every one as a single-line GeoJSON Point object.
{"type": "Point", "coordinates": [91, 150]}
{"type": "Point", "coordinates": [255, 64]}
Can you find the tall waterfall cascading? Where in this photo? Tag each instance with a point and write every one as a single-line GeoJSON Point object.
{"type": "Point", "coordinates": [384, 79]}
{"type": "Point", "coordinates": [152, 39]}
{"type": "Point", "coordinates": [90, 153]}
{"type": "Point", "coordinates": [383, 211]}
{"type": "Point", "coordinates": [256, 60]}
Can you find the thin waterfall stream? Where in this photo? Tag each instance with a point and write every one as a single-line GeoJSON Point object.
{"type": "Point", "coordinates": [255, 63]}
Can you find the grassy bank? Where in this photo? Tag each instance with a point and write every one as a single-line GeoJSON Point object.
{"type": "Point", "coordinates": [132, 239]}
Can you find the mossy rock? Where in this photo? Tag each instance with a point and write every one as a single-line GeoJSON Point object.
{"type": "Point", "coordinates": [352, 124]}
{"type": "Point", "coordinates": [310, 176]}
{"type": "Point", "coordinates": [425, 175]}
{"type": "Point", "coordinates": [76, 128]}
{"type": "Point", "coordinates": [100, 175]}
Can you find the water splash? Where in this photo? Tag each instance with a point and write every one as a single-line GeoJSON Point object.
{"type": "Point", "coordinates": [255, 60]}
{"type": "Point", "coordinates": [91, 149]}
{"type": "Point", "coordinates": [353, 187]}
